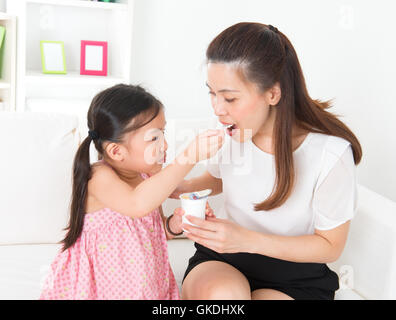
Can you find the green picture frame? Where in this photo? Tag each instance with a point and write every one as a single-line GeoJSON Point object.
{"type": "Point", "coordinates": [53, 58]}
{"type": "Point", "coordinates": [2, 40]}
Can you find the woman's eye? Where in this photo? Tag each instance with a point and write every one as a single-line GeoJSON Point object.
{"type": "Point", "coordinates": [154, 139]}
{"type": "Point", "coordinates": [230, 100]}
{"type": "Point", "coordinates": [211, 93]}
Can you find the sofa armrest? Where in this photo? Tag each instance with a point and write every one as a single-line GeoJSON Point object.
{"type": "Point", "coordinates": [368, 262]}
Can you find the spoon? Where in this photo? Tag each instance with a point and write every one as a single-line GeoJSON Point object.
{"type": "Point", "coordinates": [198, 194]}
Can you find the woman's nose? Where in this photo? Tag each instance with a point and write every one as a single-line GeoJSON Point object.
{"type": "Point", "coordinates": [218, 108]}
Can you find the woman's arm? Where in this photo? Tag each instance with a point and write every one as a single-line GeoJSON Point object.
{"type": "Point", "coordinates": [205, 181]}
{"type": "Point", "coordinates": [225, 236]}
{"type": "Point", "coordinates": [320, 247]}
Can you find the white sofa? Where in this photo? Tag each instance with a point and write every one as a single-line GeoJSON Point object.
{"type": "Point", "coordinates": [35, 189]}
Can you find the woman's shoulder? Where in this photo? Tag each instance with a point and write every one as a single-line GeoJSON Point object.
{"type": "Point", "coordinates": [330, 151]}
{"type": "Point", "coordinates": [330, 144]}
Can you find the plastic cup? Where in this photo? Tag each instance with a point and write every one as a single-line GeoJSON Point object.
{"type": "Point", "coordinates": [194, 208]}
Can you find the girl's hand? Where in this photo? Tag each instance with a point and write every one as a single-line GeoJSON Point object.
{"type": "Point", "coordinates": [205, 145]}
{"type": "Point", "coordinates": [176, 221]}
{"type": "Point", "coordinates": [220, 235]}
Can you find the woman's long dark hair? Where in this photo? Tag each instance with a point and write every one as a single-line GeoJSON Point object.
{"type": "Point", "coordinates": [110, 117]}
{"type": "Point", "coordinates": [266, 57]}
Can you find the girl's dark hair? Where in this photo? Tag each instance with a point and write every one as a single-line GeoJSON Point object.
{"type": "Point", "coordinates": [110, 117]}
{"type": "Point", "coordinates": [266, 56]}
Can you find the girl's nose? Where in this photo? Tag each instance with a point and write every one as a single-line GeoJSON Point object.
{"type": "Point", "coordinates": [164, 146]}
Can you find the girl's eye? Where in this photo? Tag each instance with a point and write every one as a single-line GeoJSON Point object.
{"type": "Point", "coordinates": [154, 139]}
{"type": "Point", "coordinates": [211, 93]}
{"type": "Point", "coordinates": [230, 100]}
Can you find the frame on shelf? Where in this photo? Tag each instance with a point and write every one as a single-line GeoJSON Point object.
{"type": "Point", "coordinates": [2, 36]}
{"type": "Point", "coordinates": [53, 57]}
{"type": "Point", "coordinates": [8, 62]}
{"type": "Point", "coordinates": [93, 58]}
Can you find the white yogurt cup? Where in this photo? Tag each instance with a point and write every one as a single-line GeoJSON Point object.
{"type": "Point", "coordinates": [194, 208]}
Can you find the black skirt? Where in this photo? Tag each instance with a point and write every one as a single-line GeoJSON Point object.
{"type": "Point", "coordinates": [314, 281]}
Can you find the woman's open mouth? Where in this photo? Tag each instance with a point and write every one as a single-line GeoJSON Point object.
{"type": "Point", "coordinates": [230, 128]}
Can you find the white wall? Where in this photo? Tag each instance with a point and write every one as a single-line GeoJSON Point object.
{"type": "Point", "coordinates": [345, 47]}
{"type": "Point", "coordinates": [346, 50]}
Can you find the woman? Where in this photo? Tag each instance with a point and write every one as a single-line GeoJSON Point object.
{"type": "Point", "coordinates": [289, 214]}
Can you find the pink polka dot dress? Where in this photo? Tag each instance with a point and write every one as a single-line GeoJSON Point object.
{"type": "Point", "coordinates": [116, 257]}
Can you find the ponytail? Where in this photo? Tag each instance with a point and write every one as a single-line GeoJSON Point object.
{"type": "Point", "coordinates": [81, 176]}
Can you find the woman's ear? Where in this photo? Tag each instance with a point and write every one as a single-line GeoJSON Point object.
{"type": "Point", "coordinates": [274, 94]}
{"type": "Point", "coordinates": [114, 151]}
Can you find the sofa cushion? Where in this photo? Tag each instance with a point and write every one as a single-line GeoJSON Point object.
{"type": "Point", "coordinates": [35, 171]}
{"type": "Point", "coordinates": [75, 107]}
{"type": "Point", "coordinates": [22, 278]}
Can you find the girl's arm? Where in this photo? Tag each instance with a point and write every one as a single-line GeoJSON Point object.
{"type": "Point", "coordinates": [168, 235]}
{"type": "Point", "coordinates": [116, 194]}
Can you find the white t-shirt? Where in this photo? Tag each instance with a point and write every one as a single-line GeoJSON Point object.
{"type": "Point", "coordinates": [324, 194]}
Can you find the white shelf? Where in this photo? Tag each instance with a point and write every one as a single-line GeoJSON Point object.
{"type": "Point", "coordinates": [83, 4]}
{"type": "Point", "coordinates": [61, 20]}
{"type": "Point", "coordinates": [5, 85]}
{"type": "Point", "coordinates": [37, 78]}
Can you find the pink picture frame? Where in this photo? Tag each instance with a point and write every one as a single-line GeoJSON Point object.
{"type": "Point", "coordinates": [93, 59]}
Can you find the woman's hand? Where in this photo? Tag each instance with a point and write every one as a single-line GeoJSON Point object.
{"type": "Point", "coordinates": [220, 235]}
{"type": "Point", "coordinates": [209, 211]}
{"type": "Point", "coordinates": [175, 223]}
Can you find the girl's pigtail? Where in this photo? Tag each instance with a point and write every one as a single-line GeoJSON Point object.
{"type": "Point", "coordinates": [81, 176]}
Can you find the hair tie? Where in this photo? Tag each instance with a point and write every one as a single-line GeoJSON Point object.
{"type": "Point", "coordinates": [93, 134]}
{"type": "Point", "coordinates": [272, 28]}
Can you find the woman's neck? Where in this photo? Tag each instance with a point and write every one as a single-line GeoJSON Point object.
{"type": "Point", "coordinates": [264, 137]}
{"type": "Point", "coordinates": [267, 129]}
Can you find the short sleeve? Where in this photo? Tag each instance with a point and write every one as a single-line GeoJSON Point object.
{"type": "Point", "coordinates": [335, 199]}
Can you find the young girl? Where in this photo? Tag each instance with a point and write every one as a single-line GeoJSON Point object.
{"type": "Point", "coordinates": [288, 214]}
{"type": "Point", "coordinates": [115, 247]}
